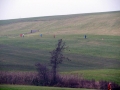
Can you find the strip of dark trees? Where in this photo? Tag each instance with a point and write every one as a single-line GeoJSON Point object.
{"type": "Point", "coordinates": [45, 79]}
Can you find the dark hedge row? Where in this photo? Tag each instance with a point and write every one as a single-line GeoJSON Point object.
{"type": "Point", "coordinates": [71, 80]}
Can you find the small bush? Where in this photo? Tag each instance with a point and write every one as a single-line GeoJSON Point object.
{"type": "Point", "coordinates": [43, 75]}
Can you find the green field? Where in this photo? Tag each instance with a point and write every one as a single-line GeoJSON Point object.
{"type": "Point", "coordinates": [90, 53]}
{"type": "Point", "coordinates": [22, 87]}
{"type": "Point", "coordinates": [98, 55]}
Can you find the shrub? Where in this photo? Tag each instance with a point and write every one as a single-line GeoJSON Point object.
{"type": "Point", "coordinates": [43, 75]}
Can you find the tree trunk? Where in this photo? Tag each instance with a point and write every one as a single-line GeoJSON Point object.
{"type": "Point", "coordinates": [54, 72]}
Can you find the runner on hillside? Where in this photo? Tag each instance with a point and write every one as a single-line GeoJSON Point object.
{"type": "Point", "coordinates": [85, 36]}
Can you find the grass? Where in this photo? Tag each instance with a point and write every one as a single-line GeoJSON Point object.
{"type": "Point", "coordinates": [99, 74]}
{"type": "Point", "coordinates": [100, 24]}
{"type": "Point", "coordinates": [23, 87]}
{"type": "Point", "coordinates": [94, 58]}
{"type": "Point", "coordinates": [90, 53]}
{"type": "Point", "coordinates": [99, 53]}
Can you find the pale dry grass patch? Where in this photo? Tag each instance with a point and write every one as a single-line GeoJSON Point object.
{"type": "Point", "coordinates": [99, 24]}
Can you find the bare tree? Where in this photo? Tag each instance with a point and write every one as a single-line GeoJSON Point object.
{"type": "Point", "coordinates": [57, 57]}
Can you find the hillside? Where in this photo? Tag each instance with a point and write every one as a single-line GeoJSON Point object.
{"type": "Point", "coordinates": [96, 57]}
{"type": "Point", "coordinates": [98, 24]}
{"type": "Point", "coordinates": [100, 50]}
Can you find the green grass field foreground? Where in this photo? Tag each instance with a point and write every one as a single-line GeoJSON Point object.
{"type": "Point", "coordinates": [99, 74]}
{"type": "Point", "coordinates": [23, 87]}
{"type": "Point", "coordinates": [96, 57]}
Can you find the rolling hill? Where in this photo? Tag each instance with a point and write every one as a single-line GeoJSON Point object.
{"type": "Point", "coordinates": [107, 23]}
{"type": "Point", "coordinates": [101, 49]}
{"type": "Point", "coordinates": [97, 57]}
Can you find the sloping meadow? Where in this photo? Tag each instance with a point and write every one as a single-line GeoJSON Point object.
{"type": "Point", "coordinates": [100, 49]}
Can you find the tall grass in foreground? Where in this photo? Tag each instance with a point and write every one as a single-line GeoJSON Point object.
{"type": "Point", "coordinates": [71, 80]}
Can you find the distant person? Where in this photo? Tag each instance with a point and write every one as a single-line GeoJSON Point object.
{"type": "Point", "coordinates": [22, 35]}
{"type": "Point", "coordinates": [85, 36]}
{"type": "Point", "coordinates": [54, 36]}
{"type": "Point", "coordinates": [40, 35]}
{"type": "Point", "coordinates": [109, 86]}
